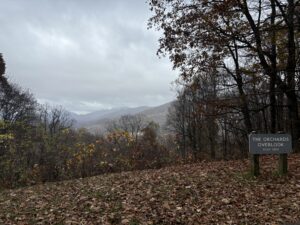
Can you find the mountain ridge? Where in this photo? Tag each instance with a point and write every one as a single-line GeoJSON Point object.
{"type": "Point", "coordinates": [96, 121]}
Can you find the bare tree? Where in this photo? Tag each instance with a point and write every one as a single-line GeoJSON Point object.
{"type": "Point", "coordinates": [133, 124]}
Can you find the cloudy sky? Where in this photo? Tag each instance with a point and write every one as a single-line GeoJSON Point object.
{"type": "Point", "coordinates": [85, 55]}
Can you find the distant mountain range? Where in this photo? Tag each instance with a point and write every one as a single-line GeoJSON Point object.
{"type": "Point", "coordinates": [97, 121]}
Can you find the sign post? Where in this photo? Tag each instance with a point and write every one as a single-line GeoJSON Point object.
{"type": "Point", "coordinates": [255, 165]}
{"type": "Point", "coordinates": [254, 162]}
{"type": "Point", "coordinates": [283, 164]}
{"type": "Point", "coordinates": [280, 144]}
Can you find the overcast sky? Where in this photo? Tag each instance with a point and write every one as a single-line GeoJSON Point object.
{"type": "Point", "coordinates": [85, 55]}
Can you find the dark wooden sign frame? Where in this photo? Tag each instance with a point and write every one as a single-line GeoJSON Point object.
{"type": "Point", "coordinates": [279, 144]}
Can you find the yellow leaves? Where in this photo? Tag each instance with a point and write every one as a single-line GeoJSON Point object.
{"type": "Point", "coordinates": [66, 131]}
{"type": "Point", "coordinates": [5, 137]}
{"type": "Point", "coordinates": [120, 137]}
{"type": "Point", "coordinates": [3, 124]}
{"type": "Point", "coordinates": [83, 153]}
{"type": "Point", "coordinates": [69, 163]}
{"type": "Point", "coordinates": [90, 149]}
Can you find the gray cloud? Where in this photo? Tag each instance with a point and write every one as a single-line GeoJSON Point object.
{"type": "Point", "coordinates": [84, 55]}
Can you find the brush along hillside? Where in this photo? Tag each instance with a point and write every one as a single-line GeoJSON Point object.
{"type": "Point", "coordinates": [205, 193]}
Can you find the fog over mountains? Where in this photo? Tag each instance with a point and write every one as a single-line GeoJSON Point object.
{"type": "Point", "coordinates": [97, 121]}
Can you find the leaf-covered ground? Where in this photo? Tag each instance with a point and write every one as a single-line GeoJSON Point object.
{"type": "Point", "coordinates": [204, 193]}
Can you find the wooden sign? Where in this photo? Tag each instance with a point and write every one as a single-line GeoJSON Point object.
{"type": "Point", "coordinates": [270, 144]}
{"type": "Point", "coordinates": [279, 144]}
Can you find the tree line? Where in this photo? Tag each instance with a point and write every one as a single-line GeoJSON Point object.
{"type": "Point", "coordinates": [38, 143]}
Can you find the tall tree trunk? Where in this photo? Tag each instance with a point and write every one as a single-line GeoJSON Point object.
{"type": "Point", "coordinates": [291, 72]}
{"type": "Point", "coordinates": [239, 81]}
{"type": "Point", "coordinates": [273, 75]}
